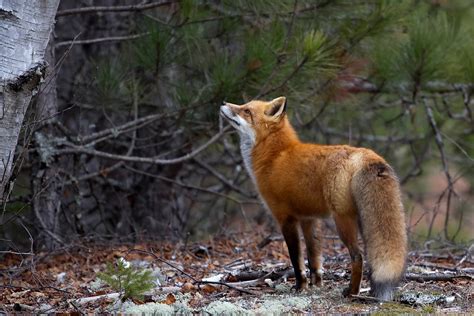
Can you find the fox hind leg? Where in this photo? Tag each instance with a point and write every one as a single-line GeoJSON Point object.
{"type": "Point", "coordinates": [311, 232]}
{"type": "Point", "coordinates": [290, 230]}
{"type": "Point", "coordinates": [347, 228]}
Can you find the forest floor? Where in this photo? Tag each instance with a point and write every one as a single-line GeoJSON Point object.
{"type": "Point", "coordinates": [243, 273]}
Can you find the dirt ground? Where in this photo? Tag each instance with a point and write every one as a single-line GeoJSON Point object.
{"type": "Point", "coordinates": [241, 273]}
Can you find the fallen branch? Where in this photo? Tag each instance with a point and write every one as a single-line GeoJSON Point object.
{"type": "Point", "coordinates": [256, 275]}
{"type": "Point", "coordinates": [435, 266]}
{"type": "Point", "coordinates": [436, 277]}
{"type": "Point", "coordinates": [253, 282]}
{"type": "Point", "coordinates": [229, 285]}
{"type": "Point", "coordinates": [35, 289]}
{"type": "Point", "coordinates": [17, 307]}
{"type": "Point", "coordinates": [85, 300]}
{"type": "Point", "coordinates": [367, 298]}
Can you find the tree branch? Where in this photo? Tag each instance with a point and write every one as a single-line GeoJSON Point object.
{"type": "Point", "coordinates": [444, 161]}
{"type": "Point", "coordinates": [123, 8]}
{"type": "Point", "coordinates": [101, 40]}
{"type": "Point", "coordinates": [153, 160]}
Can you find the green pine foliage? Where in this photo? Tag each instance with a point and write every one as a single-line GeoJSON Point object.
{"type": "Point", "coordinates": [127, 280]}
{"type": "Point", "coordinates": [307, 50]}
{"type": "Point", "coordinates": [314, 52]}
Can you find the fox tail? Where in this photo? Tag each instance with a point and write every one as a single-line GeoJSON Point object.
{"type": "Point", "coordinates": [376, 192]}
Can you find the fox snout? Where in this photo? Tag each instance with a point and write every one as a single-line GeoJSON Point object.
{"type": "Point", "coordinates": [229, 115]}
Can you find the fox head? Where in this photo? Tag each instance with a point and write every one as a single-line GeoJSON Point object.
{"type": "Point", "coordinates": [255, 119]}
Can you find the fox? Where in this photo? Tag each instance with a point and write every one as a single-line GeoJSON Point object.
{"type": "Point", "coordinates": [300, 183]}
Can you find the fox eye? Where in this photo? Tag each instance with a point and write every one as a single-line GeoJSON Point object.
{"type": "Point", "coordinates": [247, 112]}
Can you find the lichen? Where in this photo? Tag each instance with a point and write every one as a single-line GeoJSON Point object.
{"type": "Point", "coordinates": [278, 306]}
{"type": "Point", "coordinates": [224, 308]}
{"type": "Point", "coordinates": [45, 148]}
{"type": "Point", "coordinates": [96, 285]}
{"type": "Point", "coordinates": [150, 309]}
{"type": "Point", "coordinates": [283, 288]}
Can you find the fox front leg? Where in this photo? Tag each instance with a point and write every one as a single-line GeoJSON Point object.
{"type": "Point", "coordinates": [290, 232]}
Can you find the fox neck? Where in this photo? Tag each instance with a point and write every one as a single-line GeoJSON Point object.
{"type": "Point", "coordinates": [268, 148]}
{"type": "Point", "coordinates": [257, 150]}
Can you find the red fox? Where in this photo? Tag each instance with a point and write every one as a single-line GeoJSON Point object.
{"type": "Point", "coordinates": [302, 182]}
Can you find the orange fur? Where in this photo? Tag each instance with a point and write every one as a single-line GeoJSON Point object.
{"type": "Point", "coordinates": [302, 182]}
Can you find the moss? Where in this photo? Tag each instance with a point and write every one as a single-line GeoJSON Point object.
{"type": "Point", "coordinates": [428, 309]}
{"type": "Point", "coordinates": [394, 308]}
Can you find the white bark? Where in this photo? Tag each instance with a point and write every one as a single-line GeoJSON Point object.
{"type": "Point", "coordinates": [25, 26]}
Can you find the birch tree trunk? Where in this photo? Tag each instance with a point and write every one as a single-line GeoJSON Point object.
{"type": "Point", "coordinates": [25, 26]}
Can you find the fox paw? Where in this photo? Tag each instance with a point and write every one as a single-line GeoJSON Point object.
{"type": "Point", "coordinates": [348, 292]}
{"type": "Point", "coordinates": [316, 280]}
{"type": "Point", "coordinates": [300, 286]}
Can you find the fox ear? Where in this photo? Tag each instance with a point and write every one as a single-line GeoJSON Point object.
{"type": "Point", "coordinates": [276, 107]}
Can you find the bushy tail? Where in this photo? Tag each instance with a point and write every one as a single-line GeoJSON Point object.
{"type": "Point", "coordinates": [376, 191]}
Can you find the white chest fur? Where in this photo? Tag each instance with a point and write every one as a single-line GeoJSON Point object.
{"type": "Point", "coordinates": [246, 146]}
{"type": "Point", "coordinates": [247, 141]}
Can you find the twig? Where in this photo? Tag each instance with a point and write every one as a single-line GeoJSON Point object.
{"type": "Point", "coordinates": [184, 185]}
{"type": "Point", "coordinates": [221, 177]}
{"type": "Point", "coordinates": [229, 285]}
{"type": "Point", "coordinates": [151, 253]}
{"type": "Point", "coordinates": [17, 253]}
{"type": "Point", "coordinates": [85, 300]}
{"type": "Point", "coordinates": [153, 160]}
{"type": "Point", "coordinates": [279, 63]}
{"type": "Point", "coordinates": [117, 129]}
{"type": "Point", "coordinates": [254, 281]}
{"type": "Point", "coordinates": [36, 289]}
{"type": "Point", "coordinates": [123, 8]}
{"type": "Point", "coordinates": [436, 266]}
{"type": "Point", "coordinates": [91, 175]}
{"type": "Point", "coordinates": [288, 78]}
{"type": "Point", "coordinates": [273, 275]}
{"type": "Point", "coordinates": [101, 40]}
{"type": "Point", "coordinates": [77, 308]}
{"type": "Point", "coordinates": [440, 144]}
{"type": "Point", "coordinates": [368, 298]}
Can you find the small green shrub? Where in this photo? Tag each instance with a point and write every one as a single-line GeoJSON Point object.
{"type": "Point", "coordinates": [127, 280]}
